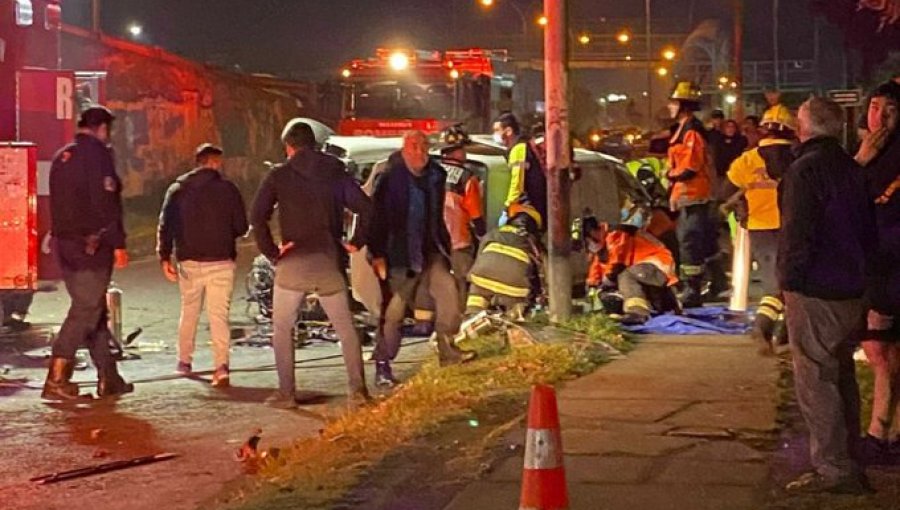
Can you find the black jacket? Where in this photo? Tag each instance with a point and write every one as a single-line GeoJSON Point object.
{"type": "Point", "coordinates": [827, 225]}
{"type": "Point", "coordinates": [201, 216]}
{"type": "Point", "coordinates": [391, 196]}
{"type": "Point", "coordinates": [86, 193]}
{"type": "Point", "coordinates": [311, 191]}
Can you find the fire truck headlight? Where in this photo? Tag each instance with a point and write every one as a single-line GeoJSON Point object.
{"type": "Point", "coordinates": [346, 73]}
{"type": "Point", "coordinates": [399, 61]}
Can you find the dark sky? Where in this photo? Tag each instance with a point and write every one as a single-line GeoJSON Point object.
{"type": "Point", "coordinates": [315, 37]}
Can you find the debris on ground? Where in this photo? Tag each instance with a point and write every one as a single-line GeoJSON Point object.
{"type": "Point", "coordinates": [248, 450]}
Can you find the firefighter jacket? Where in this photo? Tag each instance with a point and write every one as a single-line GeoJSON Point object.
{"type": "Point", "coordinates": [528, 181]}
{"type": "Point", "coordinates": [462, 205]}
{"type": "Point", "coordinates": [625, 249]}
{"type": "Point", "coordinates": [509, 255]}
{"type": "Point", "coordinates": [749, 173]}
{"type": "Point", "coordinates": [689, 165]}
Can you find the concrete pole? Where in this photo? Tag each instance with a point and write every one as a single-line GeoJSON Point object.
{"type": "Point", "coordinates": [559, 270]}
{"type": "Point", "coordinates": [776, 51]}
{"type": "Point", "coordinates": [649, 34]}
{"type": "Point", "coordinates": [739, 57]}
{"type": "Point", "coordinates": [95, 17]}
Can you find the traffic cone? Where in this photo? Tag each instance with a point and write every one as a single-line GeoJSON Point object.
{"type": "Point", "coordinates": [544, 476]}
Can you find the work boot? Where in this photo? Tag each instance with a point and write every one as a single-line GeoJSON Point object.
{"type": "Point", "coordinates": [762, 333]}
{"type": "Point", "coordinates": [634, 319]}
{"type": "Point", "coordinates": [110, 383]}
{"type": "Point", "coordinates": [58, 385]}
{"type": "Point", "coordinates": [384, 376]}
{"type": "Point", "coordinates": [221, 377]}
{"type": "Point", "coordinates": [450, 354]}
{"type": "Point", "coordinates": [693, 297]}
{"type": "Point", "coordinates": [718, 281]}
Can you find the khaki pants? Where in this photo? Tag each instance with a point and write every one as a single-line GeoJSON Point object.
{"type": "Point", "coordinates": [213, 281]}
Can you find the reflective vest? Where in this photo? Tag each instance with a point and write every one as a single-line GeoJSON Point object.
{"type": "Point", "coordinates": [505, 262]}
{"type": "Point", "coordinates": [748, 172]}
{"type": "Point", "coordinates": [627, 249]}
{"type": "Point", "coordinates": [528, 181]}
{"type": "Point", "coordinates": [462, 204]}
{"type": "Point", "coordinates": [688, 152]}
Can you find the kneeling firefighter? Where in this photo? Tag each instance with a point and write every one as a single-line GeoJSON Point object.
{"type": "Point", "coordinates": [628, 259]}
{"type": "Point", "coordinates": [508, 263]}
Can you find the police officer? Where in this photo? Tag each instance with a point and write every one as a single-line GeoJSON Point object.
{"type": "Point", "coordinates": [86, 207]}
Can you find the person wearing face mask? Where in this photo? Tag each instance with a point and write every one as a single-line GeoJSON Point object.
{"type": "Point", "coordinates": [690, 191]}
{"type": "Point", "coordinates": [410, 247]}
{"type": "Point", "coordinates": [879, 154]}
{"type": "Point", "coordinates": [628, 259]}
{"type": "Point", "coordinates": [528, 179]}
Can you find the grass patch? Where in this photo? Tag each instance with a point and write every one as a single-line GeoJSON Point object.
{"type": "Point", "coordinates": [313, 472]}
{"type": "Point", "coordinates": [599, 326]}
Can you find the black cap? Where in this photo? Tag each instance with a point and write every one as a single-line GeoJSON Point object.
{"type": "Point", "coordinates": [717, 114]}
{"type": "Point", "coordinates": [95, 116]}
{"type": "Point", "coordinates": [207, 149]}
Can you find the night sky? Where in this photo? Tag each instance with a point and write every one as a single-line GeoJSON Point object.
{"type": "Point", "coordinates": [313, 38]}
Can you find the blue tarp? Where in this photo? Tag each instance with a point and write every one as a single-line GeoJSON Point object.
{"type": "Point", "coordinates": [695, 321]}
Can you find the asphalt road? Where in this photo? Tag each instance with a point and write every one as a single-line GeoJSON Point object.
{"type": "Point", "coordinates": [166, 413]}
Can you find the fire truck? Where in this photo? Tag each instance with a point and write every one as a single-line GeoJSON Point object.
{"type": "Point", "coordinates": [39, 104]}
{"type": "Point", "coordinates": [398, 90]}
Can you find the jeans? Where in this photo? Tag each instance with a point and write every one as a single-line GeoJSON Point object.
{"type": "Point", "coordinates": [212, 282]}
{"type": "Point", "coordinates": [286, 306]}
{"type": "Point", "coordinates": [822, 335]}
{"type": "Point", "coordinates": [441, 286]}
{"type": "Point", "coordinates": [461, 262]}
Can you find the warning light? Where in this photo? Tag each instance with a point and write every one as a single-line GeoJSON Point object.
{"type": "Point", "coordinates": [399, 61]}
{"type": "Point", "coordinates": [346, 73]}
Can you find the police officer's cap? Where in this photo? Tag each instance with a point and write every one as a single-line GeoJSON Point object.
{"type": "Point", "coordinates": [207, 149]}
{"type": "Point", "coordinates": [95, 116]}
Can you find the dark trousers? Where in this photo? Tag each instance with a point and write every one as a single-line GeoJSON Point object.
{"type": "Point", "coordinates": [440, 286]}
{"type": "Point", "coordinates": [822, 336]}
{"type": "Point", "coordinates": [644, 289]}
{"type": "Point", "coordinates": [86, 322]}
{"type": "Point", "coordinates": [697, 237]}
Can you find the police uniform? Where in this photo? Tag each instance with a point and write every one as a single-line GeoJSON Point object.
{"type": "Point", "coordinates": [87, 228]}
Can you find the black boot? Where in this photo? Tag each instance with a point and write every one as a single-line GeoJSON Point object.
{"type": "Point", "coordinates": [58, 385]}
{"type": "Point", "coordinates": [384, 376]}
{"type": "Point", "coordinates": [450, 354]}
{"type": "Point", "coordinates": [692, 297]}
{"type": "Point", "coordinates": [718, 280]}
{"type": "Point", "coordinates": [110, 383]}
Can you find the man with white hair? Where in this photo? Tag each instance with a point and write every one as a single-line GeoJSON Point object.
{"type": "Point", "coordinates": [826, 235]}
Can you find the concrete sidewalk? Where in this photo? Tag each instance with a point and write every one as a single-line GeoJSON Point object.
{"type": "Point", "coordinates": [670, 427]}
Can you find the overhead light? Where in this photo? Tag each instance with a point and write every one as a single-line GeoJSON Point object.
{"type": "Point", "coordinates": [723, 80]}
{"type": "Point", "coordinates": [584, 39]}
{"type": "Point", "coordinates": [623, 37]}
{"type": "Point", "coordinates": [399, 61]}
{"type": "Point", "coordinates": [669, 54]}
{"type": "Point", "coordinates": [733, 85]}
{"type": "Point", "coordinates": [135, 30]}
{"type": "Point", "coordinates": [595, 138]}
{"type": "Point", "coordinates": [730, 98]}
{"type": "Point", "coordinates": [628, 58]}
{"type": "Point", "coordinates": [486, 3]}
{"type": "Point", "coordinates": [542, 20]}
{"type": "Point", "coordinates": [662, 71]}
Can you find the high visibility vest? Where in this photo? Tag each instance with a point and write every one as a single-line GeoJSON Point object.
{"type": "Point", "coordinates": [505, 262]}
{"type": "Point", "coordinates": [688, 151]}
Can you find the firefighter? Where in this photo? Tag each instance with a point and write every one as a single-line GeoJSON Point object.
{"type": "Point", "coordinates": [462, 208]}
{"type": "Point", "coordinates": [86, 207]}
{"type": "Point", "coordinates": [757, 173]}
{"type": "Point", "coordinates": [690, 191]}
{"type": "Point", "coordinates": [508, 261]}
{"type": "Point", "coordinates": [628, 259]}
{"type": "Point", "coordinates": [528, 181]}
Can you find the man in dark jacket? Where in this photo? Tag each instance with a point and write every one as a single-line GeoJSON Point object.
{"type": "Point", "coordinates": [410, 246]}
{"type": "Point", "coordinates": [827, 234]}
{"type": "Point", "coordinates": [89, 236]}
{"type": "Point", "coordinates": [202, 215]}
{"type": "Point", "coordinates": [311, 191]}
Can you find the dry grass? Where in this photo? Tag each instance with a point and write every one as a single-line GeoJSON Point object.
{"type": "Point", "coordinates": [319, 470]}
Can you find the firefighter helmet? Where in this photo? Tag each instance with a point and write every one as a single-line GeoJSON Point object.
{"type": "Point", "coordinates": [779, 117]}
{"type": "Point", "coordinates": [454, 137]}
{"type": "Point", "coordinates": [524, 209]}
{"type": "Point", "coordinates": [686, 91]}
{"type": "Point", "coordinates": [95, 116]}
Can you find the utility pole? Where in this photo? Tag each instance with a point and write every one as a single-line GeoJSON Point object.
{"type": "Point", "coordinates": [95, 17]}
{"type": "Point", "coordinates": [649, 35]}
{"type": "Point", "coordinates": [739, 57]}
{"type": "Point", "coordinates": [558, 158]}
{"type": "Point", "coordinates": [775, 48]}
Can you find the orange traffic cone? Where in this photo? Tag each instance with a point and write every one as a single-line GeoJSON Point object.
{"type": "Point", "coordinates": [544, 476]}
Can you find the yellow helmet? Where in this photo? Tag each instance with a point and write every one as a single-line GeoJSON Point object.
{"type": "Point", "coordinates": [686, 91]}
{"type": "Point", "coordinates": [519, 208]}
{"type": "Point", "coordinates": [780, 117]}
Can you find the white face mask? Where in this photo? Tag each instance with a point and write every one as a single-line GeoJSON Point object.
{"type": "Point", "coordinates": [498, 137]}
{"type": "Point", "coordinates": [674, 110]}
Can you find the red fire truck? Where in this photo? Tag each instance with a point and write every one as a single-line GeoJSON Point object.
{"type": "Point", "coordinates": [39, 104]}
{"type": "Point", "coordinates": [399, 90]}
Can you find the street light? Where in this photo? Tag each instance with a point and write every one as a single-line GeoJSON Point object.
{"type": "Point", "coordinates": [623, 37]}
{"type": "Point", "coordinates": [346, 73]}
{"type": "Point", "coordinates": [487, 3]}
{"type": "Point", "coordinates": [542, 20]}
{"type": "Point", "coordinates": [669, 54]}
{"type": "Point", "coordinates": [135, 30]}
{"type": "Point", "coordinates": [584, 39]}
{"type": "Point", "coordinates": [662, 72]}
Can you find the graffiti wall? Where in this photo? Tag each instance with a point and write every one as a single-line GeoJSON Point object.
{"type": "Point", "coordinates": [166, 105]}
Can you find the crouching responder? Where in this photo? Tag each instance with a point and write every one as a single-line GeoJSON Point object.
{"type": "Point", "coordinates": [86, 208]}
{"type": "Point", "coordinates": [690, 192]}
{"type": "Point", "coordinates": [757, 173]}
{"type": "Point", "coordinates": [508, 262]}
{"type": "Point", "coordinates": [628, 259]}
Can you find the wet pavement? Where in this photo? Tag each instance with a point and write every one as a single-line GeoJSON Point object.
{"type": "Point", "coordinates": [166, 413]}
